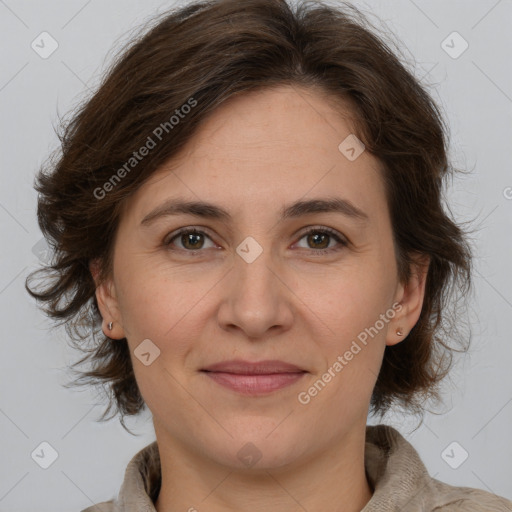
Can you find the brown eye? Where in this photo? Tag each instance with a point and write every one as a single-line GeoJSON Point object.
{"type": "Point", "coordinates": [192, 241]}
{"type": "Point", "coordinates": [320, 240]}
{"type": "Point", "coordinates": [188, 239]}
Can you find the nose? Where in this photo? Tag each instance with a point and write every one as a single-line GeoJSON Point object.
{"type": "Point", "coordinates": [256, 299]}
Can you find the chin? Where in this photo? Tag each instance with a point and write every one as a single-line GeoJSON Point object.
{"type": "Point", "coordinates": [259, 448]}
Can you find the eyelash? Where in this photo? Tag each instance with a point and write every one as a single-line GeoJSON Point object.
{"type": "Point", "coordinates": [323, 230]}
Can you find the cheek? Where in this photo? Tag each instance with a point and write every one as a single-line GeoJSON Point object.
{"type": "Point", "coordinates": [348, 300]}
{"type": "Point", "coordinates": [352, 346]}
{"type": "Point", "coordinates": [355, 310]}
{"type": "Point", "coordinates": [152, 310]}
{"type": "Point", "coordinates": [165, 304]}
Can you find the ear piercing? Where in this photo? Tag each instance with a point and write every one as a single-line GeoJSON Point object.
{"type": "Point", "coordinates": [110, 326]}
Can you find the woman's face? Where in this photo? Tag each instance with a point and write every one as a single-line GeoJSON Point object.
{"type": "Point", "coordinates": [254, 285]}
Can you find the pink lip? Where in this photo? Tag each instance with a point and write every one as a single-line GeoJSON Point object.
{"type": "Point", "coordinates": [254, 384]}
{"type": "Point", "coordinates": [257, 368]}
{"type": "Point", "coordinates": [254, 378]}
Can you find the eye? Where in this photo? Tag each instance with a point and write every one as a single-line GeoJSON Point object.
{"type": "Point", "coordinates": [320, 240]}
{"type": "Point", "coordinates": [191, 239]}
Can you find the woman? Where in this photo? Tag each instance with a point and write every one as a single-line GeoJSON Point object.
{"type": "Point", "coordinates": [250, 205]}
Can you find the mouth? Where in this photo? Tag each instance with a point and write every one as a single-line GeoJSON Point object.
{"type": "Point", "coordinates": [254, 378]}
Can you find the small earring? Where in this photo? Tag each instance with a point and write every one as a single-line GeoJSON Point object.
{"type": "Point", "coordinates": [399, 332]}
{"type": "Point", "coordinates": [110, 326]}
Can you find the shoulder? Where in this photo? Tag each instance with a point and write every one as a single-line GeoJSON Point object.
{"type": "Point", "coordinates": [104, 506]}
{"type": "Point", "coordinates": [468, 499]}
{"type": "Point", "coordinates": [401, 480]}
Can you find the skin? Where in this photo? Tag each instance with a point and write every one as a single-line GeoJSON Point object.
{"type": "Point", "coordinates": [257, 153]}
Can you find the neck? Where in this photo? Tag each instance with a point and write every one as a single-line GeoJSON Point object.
{"type": "Point", "coordinates": [333, 480]}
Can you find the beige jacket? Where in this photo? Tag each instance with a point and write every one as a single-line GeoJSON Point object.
{"type": "Point", "coordinates": [400, 480]}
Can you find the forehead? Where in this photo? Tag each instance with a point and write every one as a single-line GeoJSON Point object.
{"type": "Point", "coordinates": [266, 148]}
{"type": "Point", "coordinates": [286, 123]}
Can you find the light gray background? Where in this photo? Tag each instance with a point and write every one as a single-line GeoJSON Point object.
{"type": "Point", "coordinates": [475, 90]}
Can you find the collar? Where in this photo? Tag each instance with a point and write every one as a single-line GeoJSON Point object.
{"type": "Point", "coordinates": [394, 469]}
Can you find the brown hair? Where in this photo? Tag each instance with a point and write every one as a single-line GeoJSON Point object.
{"type": "Point", "coordinates": [200, 56]}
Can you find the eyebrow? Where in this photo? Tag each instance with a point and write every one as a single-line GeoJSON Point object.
{"type": "Point", "coordinates": [207, 210]}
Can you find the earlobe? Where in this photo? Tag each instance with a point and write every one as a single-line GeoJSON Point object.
{"type": "Point", "coordinates": [396, 336]}
{"type": "Point", "coordinates": [410, 296]}
{"type": "Point", "coordinates": [107, 304]}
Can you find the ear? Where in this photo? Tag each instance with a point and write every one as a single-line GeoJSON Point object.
{"type": "Point", "coordinates": [107, 303]}
{"type": "Point", "coordinates": [410, 296]}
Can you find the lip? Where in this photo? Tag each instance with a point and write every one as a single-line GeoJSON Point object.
{"type": "Point", "coordinates": [254, 378]}
{"type": "Point", "coordinates": [267, 367]}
